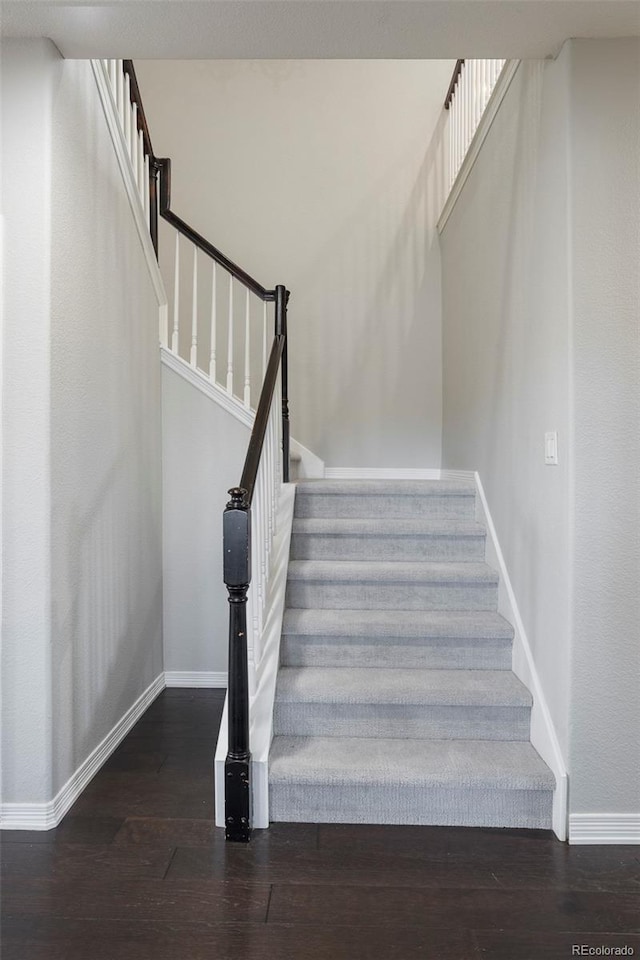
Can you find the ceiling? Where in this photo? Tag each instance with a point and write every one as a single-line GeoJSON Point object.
{"type": "Point", "coordinates": [317, 29]}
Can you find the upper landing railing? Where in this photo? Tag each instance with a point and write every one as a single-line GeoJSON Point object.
{"type": "Point", "coordinates": [249, 355]}
{"type": "Point", "coordinates": [470, 90]}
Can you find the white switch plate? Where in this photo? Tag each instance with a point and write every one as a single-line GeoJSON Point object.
{"type": "Point", "coordinates": [551, 448]}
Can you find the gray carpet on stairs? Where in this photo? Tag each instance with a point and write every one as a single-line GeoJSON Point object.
{"type": "Point", "coordinates": [395, 700]}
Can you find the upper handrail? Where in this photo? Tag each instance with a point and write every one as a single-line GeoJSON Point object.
{"type": "Point", "coordinates": [161, 167]}
{"type": "Point", "coordinates": [457, 70]}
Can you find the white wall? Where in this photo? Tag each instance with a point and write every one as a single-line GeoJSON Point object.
{"type": "Point", "coordinates": [605, 195]}
{"type": "Point", "coordinates": [315, 174]}
{"type": "Point", "coordinates": [28, 71]}
{"type": "Point", "coordinates": [540, 332]}
{"type": "Point", "coordinates": [81, 334]}
{"type": "Point", "coordinates": [203, 451]}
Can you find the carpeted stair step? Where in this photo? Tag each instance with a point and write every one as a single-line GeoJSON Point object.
{"type": "Point", "coordinates": [411, 499]}
{"type": "Point", "coordinates": [440, 782]}
{"type": "Point", "coordinates": [431, 704]}
{"type": "Point", "coordinates": [386, 539]}
{"type": "Point", "coordinates": [444, 640]}
{"type": "Point", "coordinates": [399, 585]}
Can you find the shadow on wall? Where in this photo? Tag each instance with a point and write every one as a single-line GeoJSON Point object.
{"type": "Point", "coordinates": [377, 364]}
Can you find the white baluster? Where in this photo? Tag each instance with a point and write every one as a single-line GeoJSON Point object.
{"type": "Point", "coordinates": [145, 192]}
{"type": "Point", "coordinates": [477, 93]}
{"type": "Point", "coordinates": [176, 298]}
{"type": "Point", "coordinates": [126, 119]}
{"type": "Point", "coordinates": [113, 76]}
{"type": "Point", "coordinates": [133, 150]}
{"type": "Point", "coordinates": [140, 155]}
{"type": "Point", "coordinates": [230, 341]}
{"type": "Point", "coordinates": [247, 350]}
{"type": "Point", "coordinates": [120, 93]}
{"type": "Point", "coordinates": [193, 355]}
{"type": "Point", "coordinates": [483, 85]}
{"type": "Point", "coordinates": [214, 315]}
{"type": "Point", "coordinates": [262, 533]}
{"type": "Point", "coordinates": [264, 340]}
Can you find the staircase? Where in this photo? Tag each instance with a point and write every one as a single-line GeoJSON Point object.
{"type": "Point", "coordinates": [395, 700]}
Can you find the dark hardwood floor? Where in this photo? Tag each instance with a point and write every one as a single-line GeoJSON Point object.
{"type": "Point", "coordinates": [137, 871]}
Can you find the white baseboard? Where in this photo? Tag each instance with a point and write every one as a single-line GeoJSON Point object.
{"type": "Point", "coordinates": [457, 475]}
{"type": "Point", "coordinates": [196, 678]}
{"type": "Point", "coordinates": [380, 473]}
{"type": "Point", "coordinates": [45, 816]}
{"type": "Point", "coordinates": [198, 379]}
{"type": "Point", "coordinates": [543, 735]}
{"type": "Point", "coordinates": [310, 466]}
{"type": "Point", "coordinates": [604, 828]}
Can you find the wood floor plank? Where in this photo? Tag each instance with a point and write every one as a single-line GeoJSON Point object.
{"type": "Point", "coordinates": [304, 866]}
{"type": "Point", "coordinates": [463, 908]}
{"type": "Point", "coordinates": [97, 940]}
{"type": "Point", "coordinates": [91, 861]}
{"type": "Point", "coordinates": [136, 899]}
{"type": "Point", "coordinates": [541, 945]}
{"type": "Point", "coordinates": [75, 828]}
{"type": "Point", "coordinates": [197, 833]}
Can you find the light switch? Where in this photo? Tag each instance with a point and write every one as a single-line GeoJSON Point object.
{"type": "Point", "coordinates": [551, 448]}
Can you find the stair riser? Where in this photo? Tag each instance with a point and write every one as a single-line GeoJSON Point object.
{"type": "Point", "coordinates": [302, 803]}
{"type": "Point", "coordinates": [401, 721]}
{"type": "Point", "coordinates": [394, 596]}
{"type": "Point", "coordinates": [345, 651]}
{"type": "Point", "coordinates": [367, 507]}
{"type": "Point", "coordinates": [309, 546]}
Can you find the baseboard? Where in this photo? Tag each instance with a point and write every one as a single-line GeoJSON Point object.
{"type": "Point", "coordinates": [604, 828]}
{"type": "Point", "coordinates": [196, 678]}
{"type": "Point", "coordinates": [543, 735]}
{"type": "Point", "coordinates": [310, 466]}
{"type": "Point", "coordinates": [380, 473]}
{"type": "Point", "coordinates": [45, 816]}
{"type": "Point", "coordinates": [198, 379]}
{"type": "Point", "coordinates": [457, 475]}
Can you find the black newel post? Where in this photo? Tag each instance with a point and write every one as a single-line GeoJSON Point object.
{"type": "Point", "coordinates": [237, 576]}
{"type": "Point", "coordinates": [282, 299]}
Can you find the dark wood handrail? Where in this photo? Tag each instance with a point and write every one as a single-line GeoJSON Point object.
{"type": "Point", "coordinates": [457, 70]}
{"type": "Point", "coordinates": [162, 166]}
{"type": "Point", "coordinates": [256, 442]}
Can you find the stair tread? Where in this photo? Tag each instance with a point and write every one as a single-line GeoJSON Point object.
{"type": "Point", "coordinates": [401, 488]}
{"type": "Point", "coordinates": [393, 571]}
{"type": "Point", "coordinates": [457, 764]}
{"type": "Point", "coordinates": [475, 624]}
{"type": "Point", "coordinates": [373, 685]}
{"type": "Point", "coordinates": [380, 526]}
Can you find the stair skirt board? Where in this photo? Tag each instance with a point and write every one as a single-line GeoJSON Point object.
{"type": "Point", "coordinates": [395, 699]}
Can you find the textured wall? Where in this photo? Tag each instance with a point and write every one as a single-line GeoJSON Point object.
{"type": "Point", "coordinates": [605, 138]}
{"type": "Point", "coordinates": [197, 474]}
{"type": "Point", "coordinates": [316, 174]}
{"type": "Point", "coordinates": [28, 72]}
{"type": "Point", "coordinates": [541, 302]}
{"type": "Point", "coordinates": [505, 264]}
{"type": "Point", "coordinates": [92, 317]}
